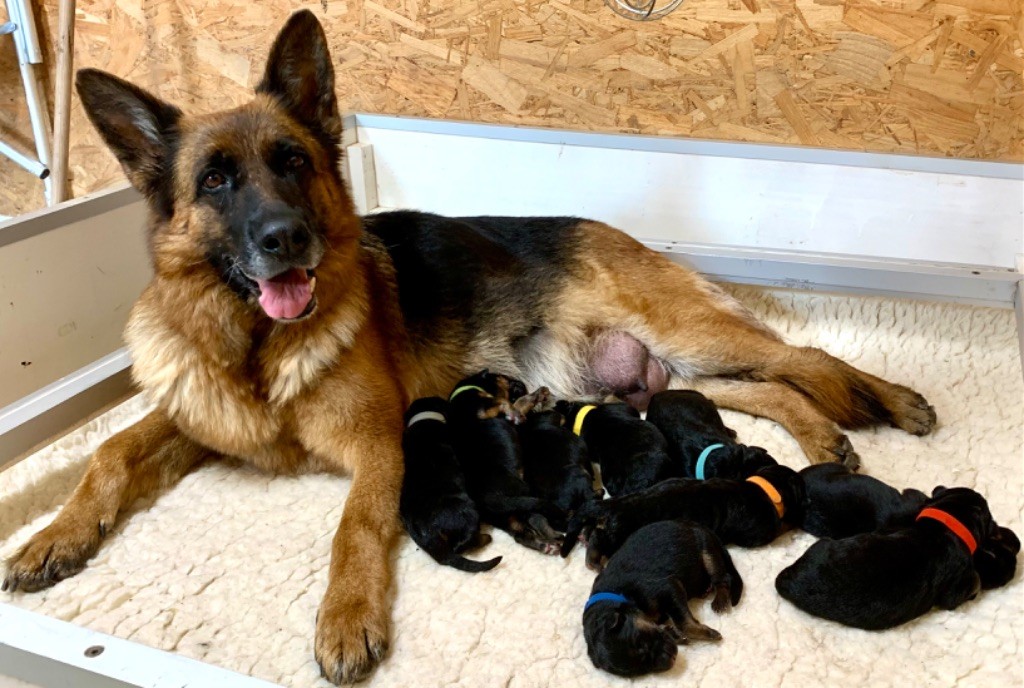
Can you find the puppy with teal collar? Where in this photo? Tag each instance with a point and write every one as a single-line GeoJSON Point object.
{"type": "Point", "coordinates": [638, 608]}
{"type": "Point", "coordinates": [699, 442]}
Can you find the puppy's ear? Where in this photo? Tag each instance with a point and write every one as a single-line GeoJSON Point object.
{"type": "Point", "coordinates": [938, 491]}
{"type": "Point", "coordinates": [138, 127]}
{"type": "Point", "coordinates": [616, 621]}
{"type": "Point", "coordinates": [299, 74]}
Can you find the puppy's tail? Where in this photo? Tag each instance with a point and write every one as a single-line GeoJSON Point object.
{"type": "Point", "coordinates": [457, 561]}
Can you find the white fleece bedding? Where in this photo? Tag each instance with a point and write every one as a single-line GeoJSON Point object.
{"type": "Point", "coordinates": [229, 566]}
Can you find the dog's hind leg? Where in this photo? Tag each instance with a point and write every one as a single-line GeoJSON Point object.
{"type": "Point", "coordinates": [696, 330]}
{"type": "Point", "coordinates": [819, 438]}
{"type": "Point", "coordinates": [136, 462]}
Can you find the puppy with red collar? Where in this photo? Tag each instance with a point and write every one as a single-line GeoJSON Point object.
{"type": "Point", "coordinates": [883, 579]}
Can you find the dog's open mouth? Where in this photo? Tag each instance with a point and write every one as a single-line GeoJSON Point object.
{"type": "Point", "coordinates": [288, 296]}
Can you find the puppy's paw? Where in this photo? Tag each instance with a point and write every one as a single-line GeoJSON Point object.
{"type": "Point", "coordinates": [722, 602]}
{"type": "Point", "coordinates": [910, 411]}
{"type": "Point", "coordinates": [351, 636]}
{"type": "Point", "coordinates": [697, 631]}
{"type": "Point", "coordinates": [57, 552]}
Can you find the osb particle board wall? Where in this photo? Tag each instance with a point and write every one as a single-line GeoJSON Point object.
{"type": "Point", "coordinates": [908, 76]}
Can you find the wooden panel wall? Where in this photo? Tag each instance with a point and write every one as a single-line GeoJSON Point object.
{"type": "Point", "coordinates": [936, 77]}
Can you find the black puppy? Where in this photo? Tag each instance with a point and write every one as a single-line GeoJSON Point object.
{"type": "Point", "coordinates": [996, 558]}
{"type": "Point", "coordinates": [880, 580]}
{"type": "Point", "coordinates": [749, 513]}
{"type": "Point", "coordinates": [631, 452]}
{"type": "Point", "coordinates": [488, 449]}
{"type": "Point", "coordinates": [638, 612]}
{"type": "Point", "coordinates": [698, 440]}
{"type": "Point", "coordinates": [437, 513]}
{"type": "Point", "coordinates": [556, 464]}
{"type": "Point", "coordinates": [841, 503]}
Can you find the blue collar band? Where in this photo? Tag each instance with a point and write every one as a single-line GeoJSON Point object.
{"type": "Point", "coordinates": [603, 597]}
{"type": "Point", "coordinates": [703, 459]}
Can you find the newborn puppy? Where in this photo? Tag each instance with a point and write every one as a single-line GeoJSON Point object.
{"type": "Point", "coordinates": [880, 580]}
{"type": "Point", "coordinates": [749, 513]}
{"type": "Point", "coordinates": [556, 465]}
{"type": "Point", "coordinates": [698, 440]}
{"type": "Point", "coordinates": [996, 558]}
{"type": "Point", "coordinates": [437, 513]}
{"type": "Point", "coordinates": [841, 503]}
{"type": "Point", "coordinates": [488, 449]}
{"type": "Point", "coordinates": [638, 612]}
{"type": "Point", "coordinates": [631, 452]}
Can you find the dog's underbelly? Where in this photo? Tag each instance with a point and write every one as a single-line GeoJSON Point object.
{"type": "Point", "coordinates": [588, 365]}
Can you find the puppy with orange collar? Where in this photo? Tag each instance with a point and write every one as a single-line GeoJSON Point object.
{"type": "Point", "coordinates": [749, 513]}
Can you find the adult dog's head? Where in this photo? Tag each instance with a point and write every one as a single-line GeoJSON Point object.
{"type": "Point", "coordinates": [250, 198]}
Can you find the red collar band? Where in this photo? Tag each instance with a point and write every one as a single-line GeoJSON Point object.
{"type": "Point", "coordinates": [958, 528]}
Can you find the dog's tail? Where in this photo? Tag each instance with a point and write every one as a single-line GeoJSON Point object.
{"type": "Point", "coordinates": [838, 389]}
{"type": "Point", "coordinates": [457, 561]}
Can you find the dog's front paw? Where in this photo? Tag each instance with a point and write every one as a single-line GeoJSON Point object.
{"type": "Point", "coordinates": [351, 637]}
{"type": "Point", "coordinates": [57, 552]}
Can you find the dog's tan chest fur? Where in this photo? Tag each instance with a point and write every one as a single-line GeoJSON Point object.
{"type": "Point", "coordinates": [239, 397]}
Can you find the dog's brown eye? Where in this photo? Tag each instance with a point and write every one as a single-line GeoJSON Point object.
{"type": "Point", "coordinates": [213, 180]}
{"type": "Point", "coordinates": [295, 162]}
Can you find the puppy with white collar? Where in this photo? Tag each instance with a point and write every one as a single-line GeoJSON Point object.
{"type": "Point", "coordinates": [435, 508]}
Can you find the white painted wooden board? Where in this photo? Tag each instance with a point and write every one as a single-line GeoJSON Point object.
{"type": "Point", "coordinates": [68, 277]}
{"type": "Point", "coordinates": [734, 201]}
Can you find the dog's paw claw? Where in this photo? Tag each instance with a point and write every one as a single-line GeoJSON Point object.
{"type": "Point", "coordinates": [351, 640]}
{"type": "Point", "coordinates": [842, 451]}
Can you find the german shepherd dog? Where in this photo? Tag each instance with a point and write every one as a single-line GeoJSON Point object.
{"type": "Point", "coordinates": [282, 328]}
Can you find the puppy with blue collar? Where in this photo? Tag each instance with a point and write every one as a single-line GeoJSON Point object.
{"type": "Point", "coordinates": [638, 608]}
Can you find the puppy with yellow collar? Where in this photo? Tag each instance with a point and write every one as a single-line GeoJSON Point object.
{"type": "Point", "coordinates": [632, 453]}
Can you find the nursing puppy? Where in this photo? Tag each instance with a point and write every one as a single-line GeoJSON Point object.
{"type": "Point", "coordinates": [699, 441]}
{"type": "Point", "coordinates": [841, 503]}
{"type": "Point", "coordinates": [435, 509]}
{"type": "Point", "coordinates": [556, 464]}
{"type": "Point", "coordinates": [638, 612]}
{"type": "Point", "coordinates": [488, 449]}
{"type": "Point", "coordinates": [749, 513]}
{"type": "Point", "coordinates": [880, 580]}
{"type": "Point", "coordinates": [631, 452]}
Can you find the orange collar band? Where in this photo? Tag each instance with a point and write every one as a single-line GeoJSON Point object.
{"type": "Point", "coordinates": [773, 494]}
{"type": "Point", "coordinates": [958, 528]}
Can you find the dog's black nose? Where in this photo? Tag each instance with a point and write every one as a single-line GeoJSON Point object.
{"type": "Point", "coordinates": [286, 239]}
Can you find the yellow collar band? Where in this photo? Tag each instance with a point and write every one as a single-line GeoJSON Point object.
{"type": "Point", "coordinates": [577, 426]}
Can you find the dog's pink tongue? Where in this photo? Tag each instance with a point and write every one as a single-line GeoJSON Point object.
{"type": "Point", "coordinates": [286, 295]}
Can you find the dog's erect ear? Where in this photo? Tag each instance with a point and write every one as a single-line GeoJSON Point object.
{"type": "Point", "coordinates": [139, 127]}
{"type": "Point", "coordinates": [300, 75]}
